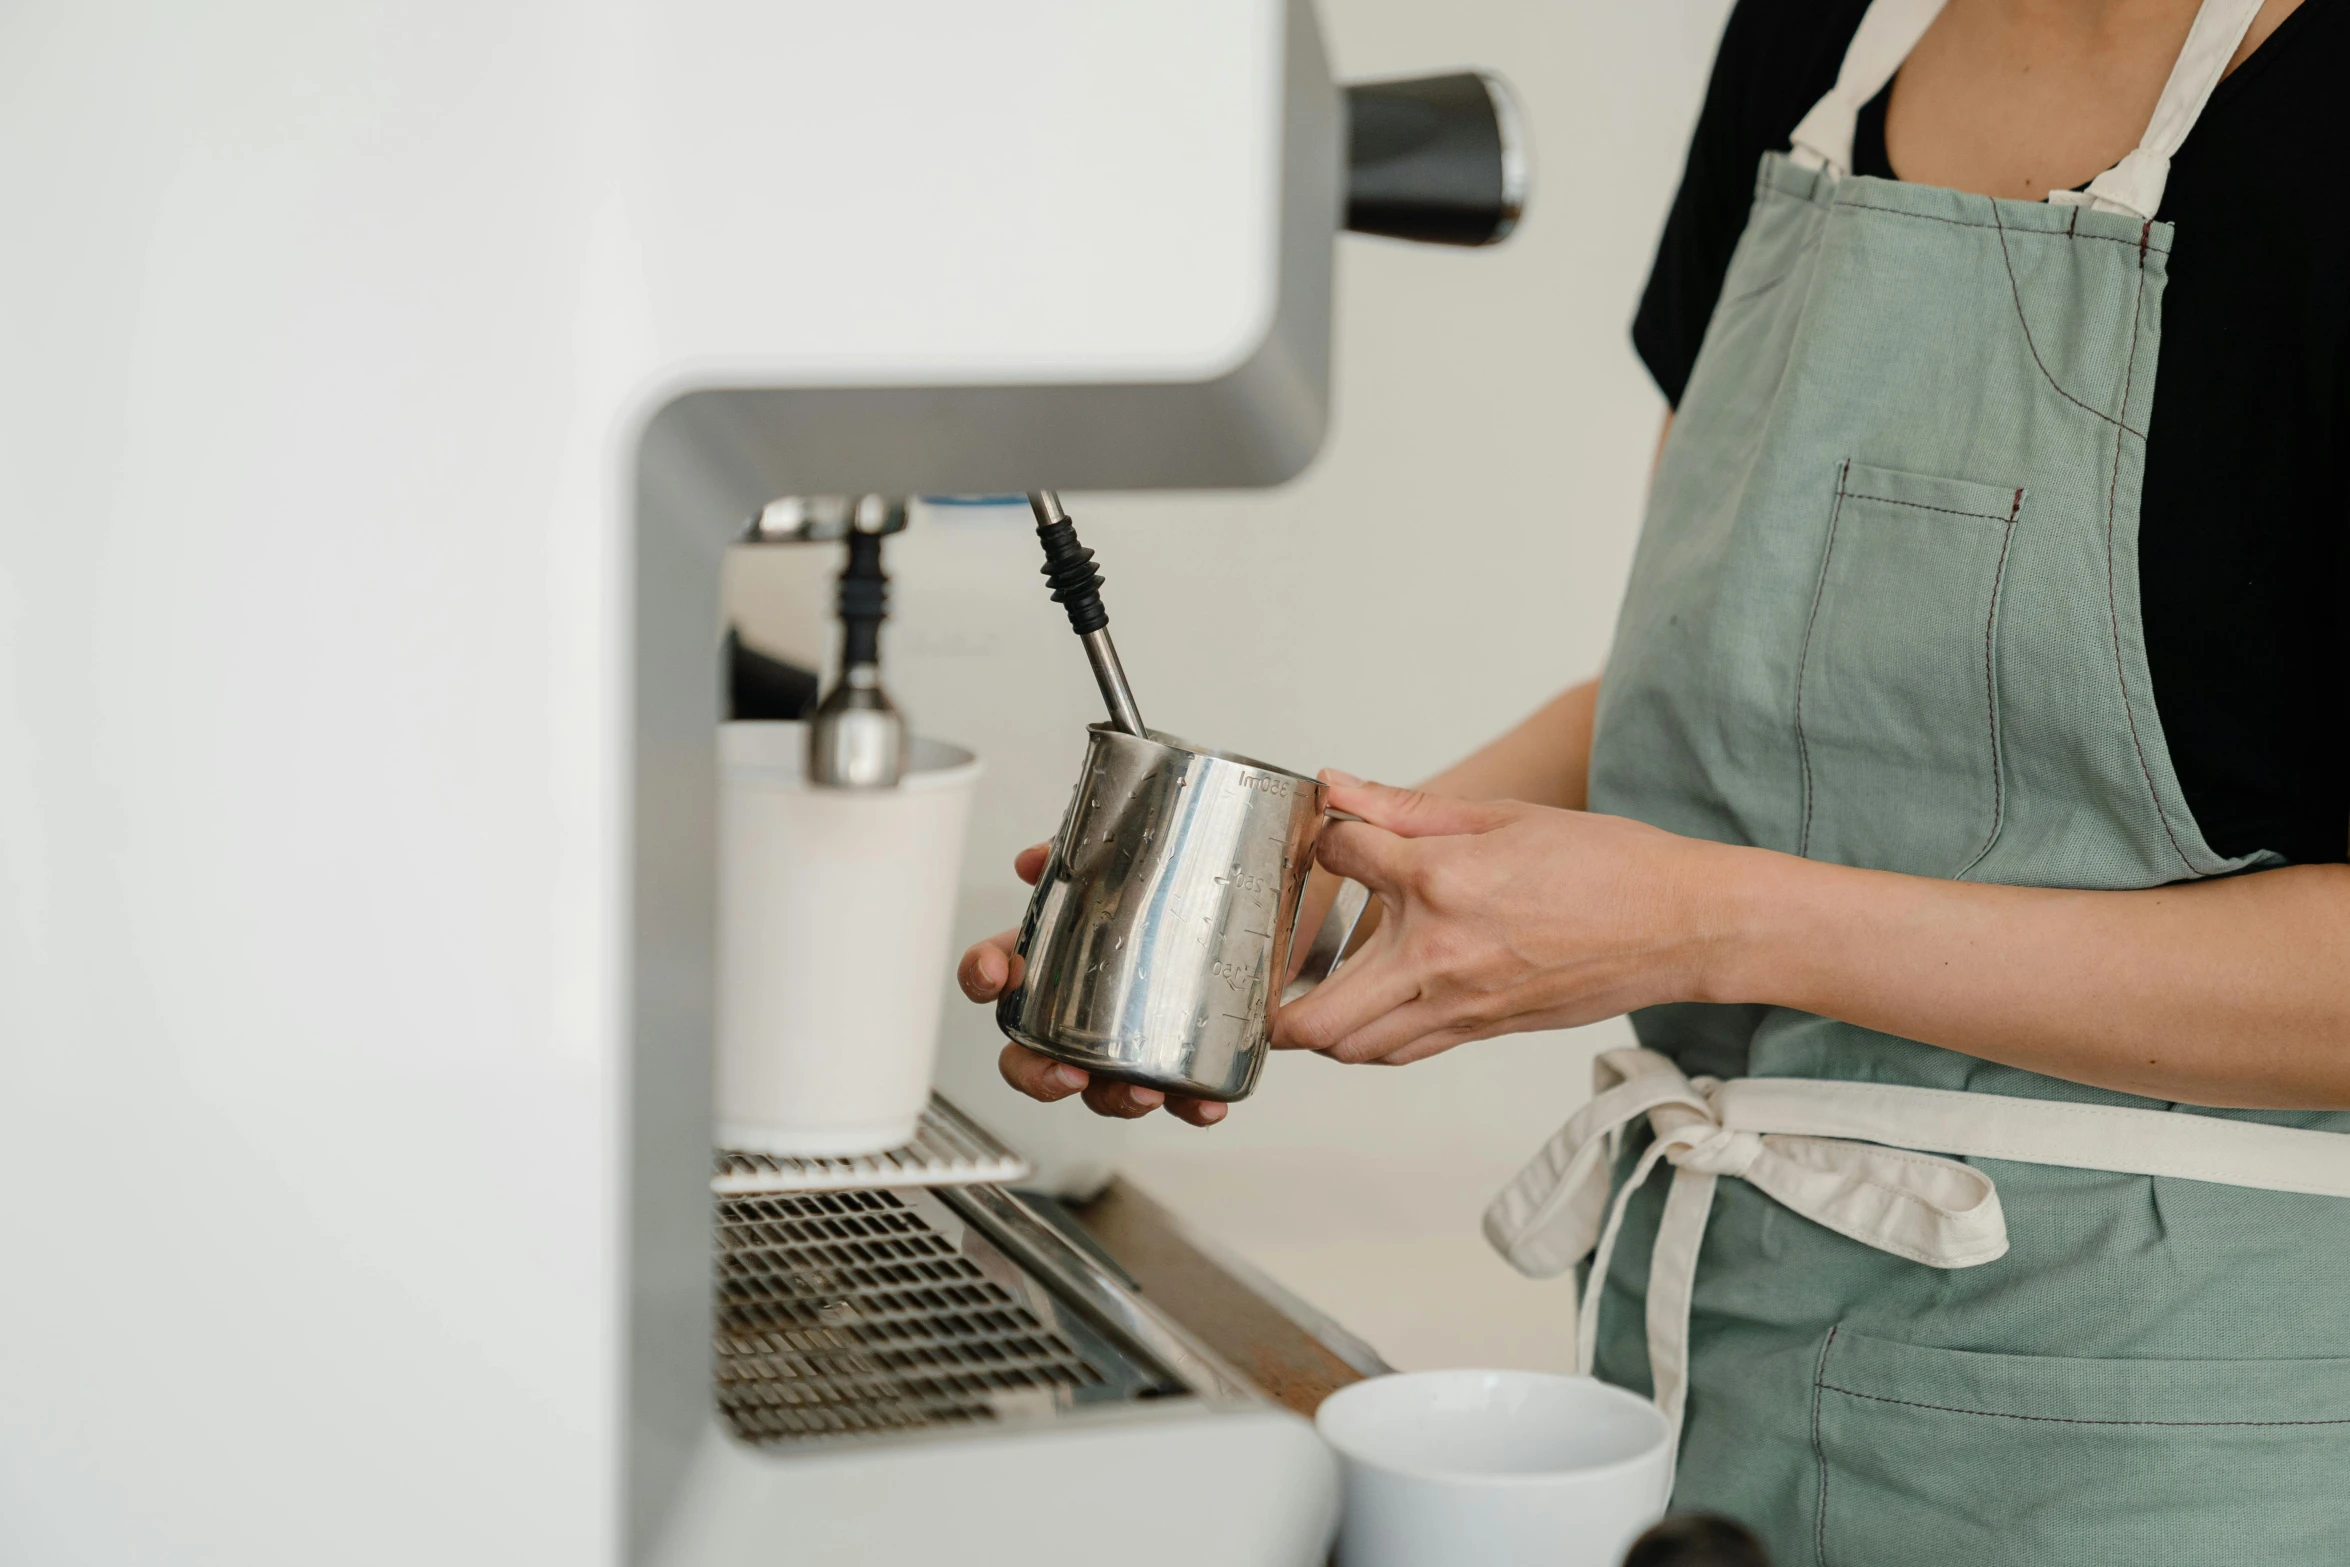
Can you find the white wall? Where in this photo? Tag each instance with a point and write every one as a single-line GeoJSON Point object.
{"type": "Point", "coordinates": [1454, 558]}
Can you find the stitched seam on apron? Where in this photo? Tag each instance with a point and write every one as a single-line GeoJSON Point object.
{"type": "Point", "coordinates": [1947, 511]}
{"type": "Point", "coordinates": [1819, 1451]}
{"type": "Point", "coordinates": [1991, 686]}
{"type": "Point", "coordinates": [2112, 603]}
{"type": "Point", "coordinates": [2016, 289]}
{"type": "Point", "coordinates": [2060, 1420]}
{"type": "Point", "coordinates": [2071, 228]}
{"type": "Point", "coordinates": [1803, 658]}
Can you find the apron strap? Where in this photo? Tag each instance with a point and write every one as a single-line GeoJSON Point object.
{"type": "Point", "coordinates": [2135, 184]}
{"type": "Point", "coordinates": [1887, 33]}
{"type": "Point", "coordinates": [1891, 29]}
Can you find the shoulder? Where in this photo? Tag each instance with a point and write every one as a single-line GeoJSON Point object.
{"type": "Point", "coordinates": [2290, 89]}
{"type": "Point", "coordinates": [1776, 59]}
{"type": "Point", "coordinates": [2270, 144]}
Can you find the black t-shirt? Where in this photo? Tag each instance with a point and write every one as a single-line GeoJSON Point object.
{"type": "Point", "coordinates": [2242, 558]}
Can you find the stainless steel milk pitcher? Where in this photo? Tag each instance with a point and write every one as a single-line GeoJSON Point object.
{"type": "Point", "coordinates": [1160, 931]}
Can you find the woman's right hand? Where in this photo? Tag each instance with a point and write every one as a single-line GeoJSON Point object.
{"type": "Point", "coordinates": [992, 967]}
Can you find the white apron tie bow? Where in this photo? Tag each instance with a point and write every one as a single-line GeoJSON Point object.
{"type": "Point", "coordinates": [1930, 1210]}
{"type": "Point", "coordinates": [1842, 1155]}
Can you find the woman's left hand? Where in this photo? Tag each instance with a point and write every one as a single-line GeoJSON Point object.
{"type": "Point", "coordinates": [1502, 917]}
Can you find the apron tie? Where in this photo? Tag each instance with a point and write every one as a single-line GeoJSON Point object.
{"type": "Point", "coordinates": [1556, 1212]}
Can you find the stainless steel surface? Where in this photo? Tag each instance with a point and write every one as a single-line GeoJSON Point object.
{"type": "Point", "coordinates": [1328, 947]}
{"type": "Point", "coordinates": [1110, 675]}
{"type": "Point", "coordinates": [862, 1314]}
{"type": "Point", "coordinates": [1160, 930]}
{"type": "Point", "coordinates": [858, 738]}
{"type": "Point", "coordinates": [855, 1315]}
{"type": "Point", "coordinates": [949, 1149]}
{"type": "Point", "coordinates": [1517, 174]}
{"type": "Point", "coordinates": [1082, 1279]}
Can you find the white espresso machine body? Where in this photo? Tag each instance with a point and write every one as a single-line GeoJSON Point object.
{"type": "Point", "coordinates": [385, 383]}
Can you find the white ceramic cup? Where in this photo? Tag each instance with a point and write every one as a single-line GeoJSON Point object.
{"type": "Point", "coordinates": [1494, 1469]}
{"type": "Point", "coordinates": [836, 913]}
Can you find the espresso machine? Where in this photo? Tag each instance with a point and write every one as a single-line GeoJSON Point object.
{"type": "Point", "coordinates": [389, 384]}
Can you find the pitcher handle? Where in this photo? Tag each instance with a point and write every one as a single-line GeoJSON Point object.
{"type": "Point", "coordinates": [1337, 929]}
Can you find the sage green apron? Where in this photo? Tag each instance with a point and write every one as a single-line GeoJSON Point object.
{"type": "Point", "coordinates": [1884, 613]}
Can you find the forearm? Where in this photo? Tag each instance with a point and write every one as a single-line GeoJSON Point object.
{"type": "Point", "coordinates": [1544, 761]}
{"type": "Point", "coordinates": [2232, 992]}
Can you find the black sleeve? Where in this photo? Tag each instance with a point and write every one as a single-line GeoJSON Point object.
{"type": "Point", "coordinates": [1776, 59]}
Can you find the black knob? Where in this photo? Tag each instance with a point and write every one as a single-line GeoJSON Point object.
{"type": "Point", "coordinates": [1440, 159]}
{"type": "Point", "coordinates": [1696, 1540]}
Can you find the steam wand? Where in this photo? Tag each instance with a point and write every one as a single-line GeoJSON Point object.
{"type": "Point", "coordinates": [1077, 588]}
{"type": "Point", "coordinates": [858, 740]}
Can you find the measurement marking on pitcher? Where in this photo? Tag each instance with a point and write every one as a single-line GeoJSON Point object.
{"type": "Point", "coordinates": [1246, 880]}
{"type": "Point", "coordinates": [1237, 975]}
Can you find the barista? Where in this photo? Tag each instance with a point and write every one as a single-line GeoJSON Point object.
{"type": "Point", "coordinates": [1970, 776]}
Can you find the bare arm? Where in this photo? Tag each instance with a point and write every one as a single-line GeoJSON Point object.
{"type": "Point", "coordinates": [2233, 992]}
{"type": "Point", "coordinates": [1503, 917]}
{"type": "Point", "coordinates": [1546, 759]}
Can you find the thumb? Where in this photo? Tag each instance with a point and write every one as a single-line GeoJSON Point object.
{"type": "Point", "coordinates": [1410, 813]}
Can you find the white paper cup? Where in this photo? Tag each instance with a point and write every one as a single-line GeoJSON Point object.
{"type": "Point", "coordinates": [835, 917]}
{"type": "Point", "coordinates": [1494, 1469]}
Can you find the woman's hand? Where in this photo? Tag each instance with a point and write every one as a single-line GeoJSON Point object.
{"type": "Point", "coordinates": [1502, 917]}
{"type": "Point", "coordinates": [992, 967]}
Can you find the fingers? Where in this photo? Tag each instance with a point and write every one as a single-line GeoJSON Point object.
{"type": "Point", "coordinates": [990, 967]}
{"type": "Point", "coordinates": [1371, 855]}
{"type": "Point", "coordinates": [1199, 1112]}
{"type": "Point", "coordinates": [1412, 1032]}
{"type": "Point", "coordinates": [1129, 1101]}
{"type": "Point", "coordinates": [1039, 1077]}
{"type": "Point", "coordinates": [1369, 986]}
{"type": "Point", "coordinates": [1412, 813]}
{"type": "Point", "coordinates": [1122, 1101]}
{"type": "Point", "coordinates": [993, 966]}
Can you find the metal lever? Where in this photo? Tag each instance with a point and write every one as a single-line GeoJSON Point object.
{"type": "Point", "coordinates": [1077, 587]}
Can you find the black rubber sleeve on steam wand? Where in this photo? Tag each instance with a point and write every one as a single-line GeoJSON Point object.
{"type": "Point", "coordinates": [1077, 582]}
{"type": "Point", "coordinates": [864, 601]}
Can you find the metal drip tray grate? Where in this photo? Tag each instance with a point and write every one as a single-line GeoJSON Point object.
{"type": "Point", "coordinates": [864, 1313]}
{"type": "Point", "coordinates": [949, 1149]}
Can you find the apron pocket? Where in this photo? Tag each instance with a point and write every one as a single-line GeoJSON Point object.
{"type": "Point", "coordinates": [1932, 1456]}
{"type": "Point", "coordinates": [1897, 696]}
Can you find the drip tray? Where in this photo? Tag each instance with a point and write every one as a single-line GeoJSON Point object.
{"type": "Point", "coordinates": [857, 1314]}
{"type": "Point", "coordinates": [949, 1149]}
